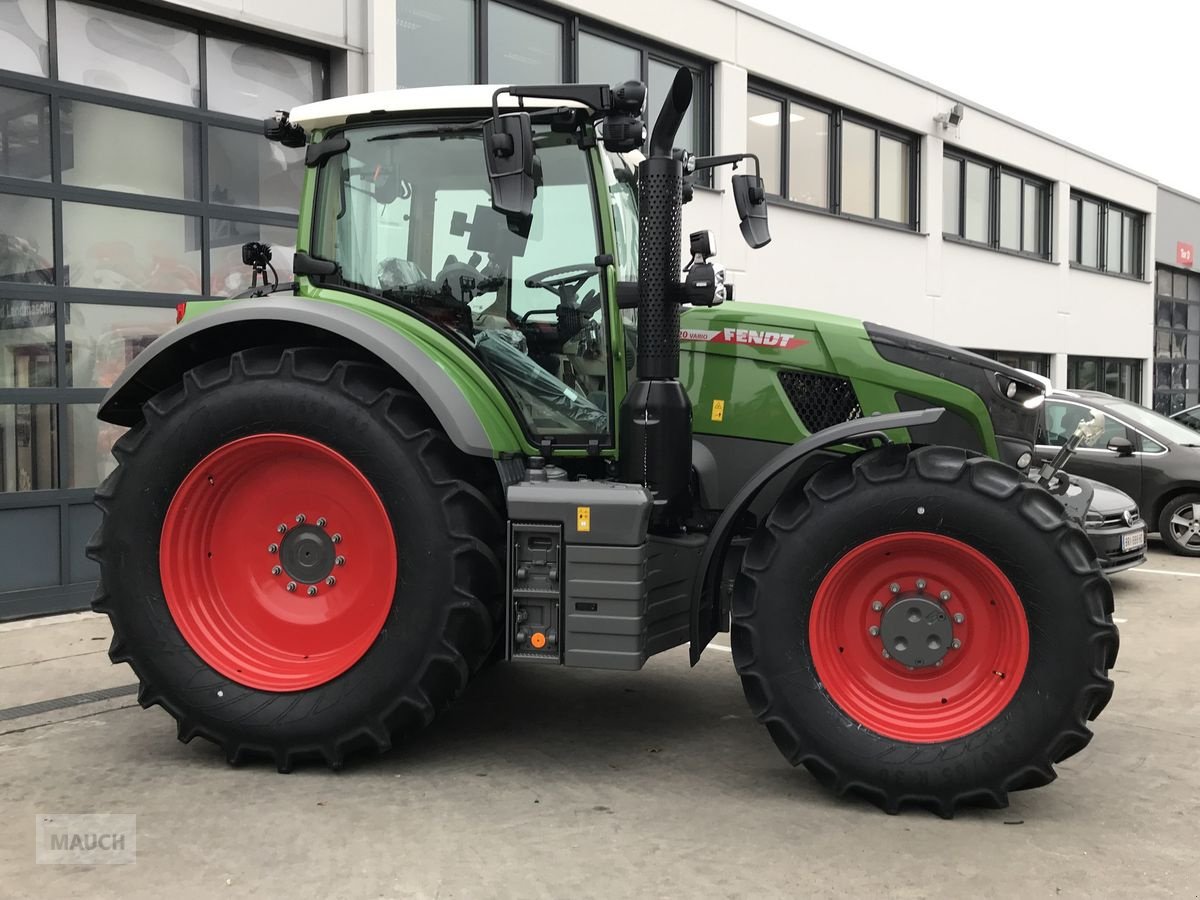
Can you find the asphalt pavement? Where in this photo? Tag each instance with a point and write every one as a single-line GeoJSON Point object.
{"type": "Point", "coordinates": [568, 783]}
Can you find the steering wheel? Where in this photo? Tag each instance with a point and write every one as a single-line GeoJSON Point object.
{"type": "Point", "coordinates": [563, 282]}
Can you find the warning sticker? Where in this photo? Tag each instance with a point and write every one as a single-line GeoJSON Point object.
{"type": "Point", "coordinates": [747, 336]}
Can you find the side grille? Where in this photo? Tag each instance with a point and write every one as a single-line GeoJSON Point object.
{"type": "Point", "coordinates": [820, 401]}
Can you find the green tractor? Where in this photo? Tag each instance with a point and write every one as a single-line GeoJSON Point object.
{"type": "Point", "coordinates": [478, 427]}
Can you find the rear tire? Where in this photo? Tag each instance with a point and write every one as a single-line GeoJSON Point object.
{"type": "Point", "coordinates": [1176, 525]}
{"type": "Point", "coordinates": [824, 569]}
{"type": "Point", "coordinates": [410, 613]}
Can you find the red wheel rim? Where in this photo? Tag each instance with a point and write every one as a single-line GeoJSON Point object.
{"type": "Point", "coordinates": [254, 516]}
{"type": "Point", "coordinates": [930, 703]}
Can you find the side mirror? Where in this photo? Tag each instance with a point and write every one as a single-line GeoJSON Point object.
{"type": "Point", "coordinates": [751, 199]}
{"type": "Point", "coordinates": [509, 157]}
{"type": "Point", "coordinates": [1121, 446]}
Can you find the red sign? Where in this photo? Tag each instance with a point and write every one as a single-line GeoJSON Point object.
{"type": "Point", "coordinates": [748, 336]}
{"type": "Point", "coordinates": [1184, 254]}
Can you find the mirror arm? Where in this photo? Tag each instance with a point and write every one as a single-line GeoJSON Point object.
{"type": "Point", "coordinates": [711, 162]}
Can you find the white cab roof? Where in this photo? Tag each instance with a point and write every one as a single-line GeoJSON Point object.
{"type": "Point", "coordinates": [325, 113]}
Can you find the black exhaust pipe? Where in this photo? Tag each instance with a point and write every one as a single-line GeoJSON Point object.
{"type": "Point", "coordinates": [656, 416]}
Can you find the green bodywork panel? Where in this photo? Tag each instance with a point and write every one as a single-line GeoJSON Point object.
{"type": "Point", "coordinates": [732, 354]}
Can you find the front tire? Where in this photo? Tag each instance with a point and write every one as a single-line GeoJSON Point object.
{"type": "Point", "coordinates": [1179, 525]}
{"type": "Point", "coordinates": [997, 679]}
{"type": "Point", "coordinates": [294, 559]}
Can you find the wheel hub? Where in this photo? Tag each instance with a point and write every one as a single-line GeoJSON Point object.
{"type": "Point", "coordinates": [307, 554]}
{"type": "Point", "coordinates": [916, 631]}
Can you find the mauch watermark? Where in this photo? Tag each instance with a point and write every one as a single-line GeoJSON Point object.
{"type": "Point", "coordinates": [86, 839]}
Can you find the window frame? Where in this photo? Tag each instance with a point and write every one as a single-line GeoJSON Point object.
{"type": "Point", "coordinates": [1136, 373]}
{"type": "Point", "coordinates": [838, 116]}
{"type": "Point", "coordinates": [1107, 209]}
{"type": "Point", "coordinates": [572, 25]}
{"type": "Point", "coordinates": [1188, 395]}
{"type": "Point", "coordinates": [64, 399]}
{"type": "Point", "coordinates": [996, 170]}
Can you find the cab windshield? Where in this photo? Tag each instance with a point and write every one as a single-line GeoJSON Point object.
{"type": "Point", "coordinates": [407, 216]}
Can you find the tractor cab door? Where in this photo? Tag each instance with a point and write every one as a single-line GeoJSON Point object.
{"type": "Point", "coordinates": [406, 212]}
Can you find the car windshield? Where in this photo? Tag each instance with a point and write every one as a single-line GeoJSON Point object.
{"type": "Point", "coordinates": [1148, 418]}
{"type": "Point", "coordinates": [406, 214]}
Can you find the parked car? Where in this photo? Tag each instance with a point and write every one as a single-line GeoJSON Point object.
{"type": "Point", "coordinates": [1189, 417]}
{"type": "Point", "coordinates": [1114, 526]}
{"type": "Point", "coordinates": [1154, 459]}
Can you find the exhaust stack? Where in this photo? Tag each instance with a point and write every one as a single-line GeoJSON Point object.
{"type": "Point", "coordinates": [656, 416]}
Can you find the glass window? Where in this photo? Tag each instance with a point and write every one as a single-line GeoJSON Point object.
{"type": "Point", "coordinates": [523, 48]}
{"type": "Point", "coordinates": [1112, 249]}
{"type": "Point", "coordinates": [662, 75]}
{"type": "Point", "coordinates": [28, 447]}
{"type": "Point", "coordinates": [858, 170]}
{"type": "Point", "coordinates": [1164, 282]}
{"type": "Point", "coordinates": [26, 240]}
{"type": "Point", "coordinates": [246, 170]}
{"type": "Point", "coordinates": [977, 208]}
{"type": "Point", "coordinates": [230, 275]}
{"type": "Point", "coordinates": [466, 270]}
{"type": "Point", "coordinates": [252, 80]}
{"type": "Point", "coordinates": [90, 442]}
{"type": "Point", "coordinates": [131, 249]}
{"type": "Point", "coordinates": [1089, 249]}
{"type": "Point", "coordinates": [23, 30]}
{"type": "Point", "coordinates": [602, 61]}
{"type": "Point", "coordinates": [103, 339]}
{"type": "Point", "coordinates": [1010, 211]}
{"type": "Point", "coordinates": [24, 133]}
{"type": "Point", "coordinates": [951, 195]}
{"type": "Point", "coordinates": [435, 42]}
{"type": "Point", "coordinates": [621, 176]}
{"type": "Point", "coordinates": [27, 354]}
{"type": "Point", "coordinates": [894, 170]}
{"type": "Point", "coordinates": [1032, 238]}
{"type": "Point", "coordinates": [115, 52]}
{"type": "Point", "coordinates": [808, 156]}
{"type": "Point", "coordinates": [120, 150]}
{"type": "Point", "coordinates": [1131, 244]}
{"type": "Point", "coordinates": [764, 137]}
{"type": "Point", "coordinates": [1179, 287]}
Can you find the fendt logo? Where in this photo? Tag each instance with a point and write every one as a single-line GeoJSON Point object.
{"type": "Point", "coordinates": [747, 336]}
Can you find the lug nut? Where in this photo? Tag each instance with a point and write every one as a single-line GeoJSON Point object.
{"type": "Point", "coordinates": [331, 581]}
{"type": "Point", "coordinates": [321, 522]}
{"type": "Point", "coordinates": [276, 570]}
{"type": "Point", "coordinates": [282, 529]}
{"type": "Point", "coordinates": [300, 519]}
{"type": "Point", "coordinates": [920, 584]}
{"type": "Point", "coordinates": [877, 605]}
{"type": "Point", "coordinates": [939, 662]}
{"type": "Point", "coordinates": [959, 618]}
{"type": "Point", "coordinates": [291, 587]}
{"type": "Point", "coordinates": [886, 655]}
{"type": "Point", "coordinates": [944, 596]}
{"type": "Point", "coordinates": [312, 590]}
{"type": "Point", "coordinates": [272, 548]}
{"type": "Point", "coordinates": [873, 630]}
{"type": "Point", "coordinates": [956, 643]}
{"type": "Point", "coordinates": [894, 588]}
{"type": "Point", "coordinates": [341, 561]}
{"type": "Point", "coordinates": [337, 538]}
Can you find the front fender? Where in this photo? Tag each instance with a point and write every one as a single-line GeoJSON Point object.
{"type": "Point", "coordinates": [469, 408]}
{"type": "Point", "coordinates": [706, 606]}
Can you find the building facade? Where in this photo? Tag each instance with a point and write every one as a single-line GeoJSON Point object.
{"type": "Point", "coordinates": [131, 173]}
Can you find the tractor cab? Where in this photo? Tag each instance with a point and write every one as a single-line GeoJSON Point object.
{"type": "Point", "coordinates": [520, 253]}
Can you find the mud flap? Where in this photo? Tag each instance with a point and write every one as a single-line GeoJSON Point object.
{"type": "Point", "coordinates": [707, 612]}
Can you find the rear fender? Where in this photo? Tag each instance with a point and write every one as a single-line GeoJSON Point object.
{"type": "Point", "coordinates": [470, 409]}
{"type": "Point", "coordinates": [706, 606]}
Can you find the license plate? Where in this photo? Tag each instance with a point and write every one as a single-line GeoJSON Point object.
{"type": "Point", "coordinates": [1133, 541]}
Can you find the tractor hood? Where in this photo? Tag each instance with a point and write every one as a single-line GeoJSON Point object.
{"type": "Point", "coordinates": [888, 369]}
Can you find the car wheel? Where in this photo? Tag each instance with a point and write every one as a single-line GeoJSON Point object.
{"type": "Point", "coordinates": [1179, 525]}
